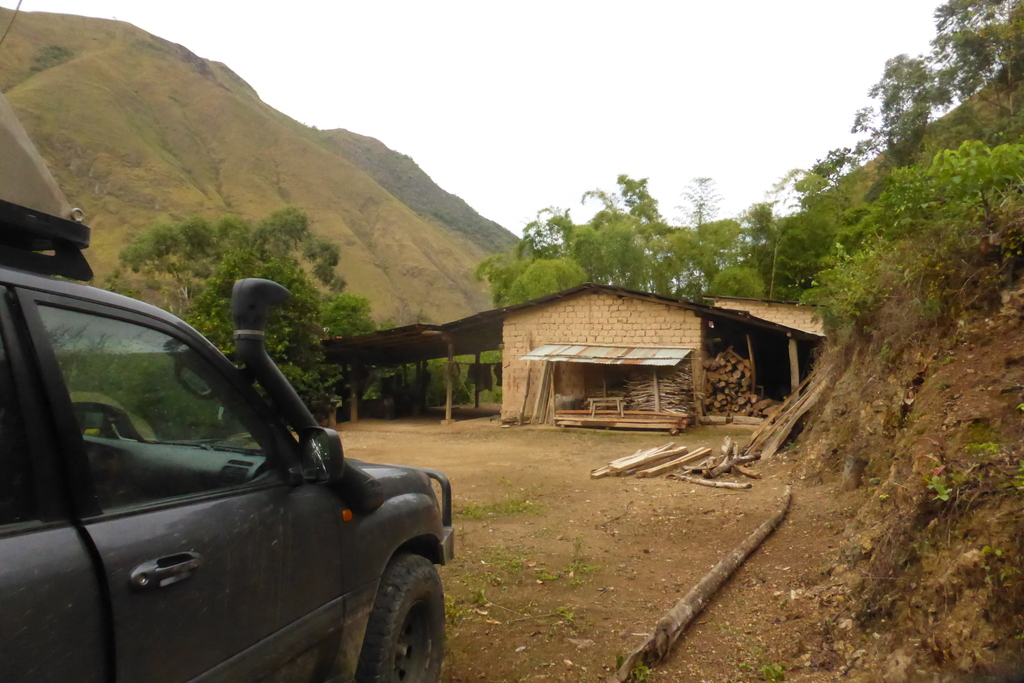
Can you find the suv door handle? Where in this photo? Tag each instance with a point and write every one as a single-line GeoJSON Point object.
{"type": "Point", "coordinates": [164, 571]}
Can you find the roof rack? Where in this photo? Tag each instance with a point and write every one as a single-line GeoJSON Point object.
{"type": "Point", "coordinates": [42, 244]}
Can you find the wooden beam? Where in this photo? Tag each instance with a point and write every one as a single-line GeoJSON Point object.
{"type": "Point", "coordinates": [753, 366]}
{"type": "Point", "coordinates": [448, 384]}
{"type": "Point", "coordinates": [551, 397]}
{"type": "Point", "coordinates": [353, 405]}
{"type": "Point", "coordinates": [794, 366]}
{"type": "Point", "coordinates": [476, 383]}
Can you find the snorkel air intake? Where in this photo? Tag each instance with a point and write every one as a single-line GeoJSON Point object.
{"type": "Point", "coordinates": [251, 300]}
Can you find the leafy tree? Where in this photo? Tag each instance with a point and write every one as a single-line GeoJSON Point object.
{"type": "Point", "coordinates": [907, 96]}
{"type": "Point", "coordinates": [548, 235]}
{"type": "Point", "coordinates": [293, 336]}
{"type": "Point", "coordinates": [545, 276]}
{"type": "Point", "coordinates": [702, 201]}
{"type": "Point", "coordinates": [178, 257]}
{"type": "Point", "coordinates": [981, 42]}
{"type": "Point", "coordinates": [346, 315]}
{"type": "Point", "coordinates": [737, 281]}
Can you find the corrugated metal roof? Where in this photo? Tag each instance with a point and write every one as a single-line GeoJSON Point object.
{"type": "Point", "coordinates": [608, 355]}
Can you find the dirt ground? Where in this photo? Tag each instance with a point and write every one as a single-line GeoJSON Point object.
{"type": "Point", "coordinates": [557, 574]}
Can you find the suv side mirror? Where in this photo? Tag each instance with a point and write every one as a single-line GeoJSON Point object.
{"type": "Point", "coordinates": [322, 456]}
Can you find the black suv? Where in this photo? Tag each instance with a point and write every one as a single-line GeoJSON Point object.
{"type": "Point", "coordinates": [161, 521]}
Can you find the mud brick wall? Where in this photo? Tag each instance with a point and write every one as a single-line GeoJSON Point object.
{"type": "Point", "coordinates": [596, 318]}
{"type": "Point", "coordinates": [791, 315]}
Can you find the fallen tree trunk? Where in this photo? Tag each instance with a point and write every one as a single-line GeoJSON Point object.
{"type": "Point", "coordinates": [679, 617]}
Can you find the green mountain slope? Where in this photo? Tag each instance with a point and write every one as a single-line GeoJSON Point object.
{"type": "Point", "coordinates": [138, 129]}
{"type": "Point", "coordinates": [402, 177]}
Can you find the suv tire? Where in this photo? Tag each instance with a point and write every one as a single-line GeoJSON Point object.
{"type": "Point", "coordinates": [405, 634]}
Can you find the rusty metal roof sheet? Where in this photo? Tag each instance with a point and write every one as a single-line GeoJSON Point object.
{"type": "Point", "coordinates": [608, 355]}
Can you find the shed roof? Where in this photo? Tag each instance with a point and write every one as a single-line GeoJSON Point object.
{"type": "Point", "coordinates": [609, 355]}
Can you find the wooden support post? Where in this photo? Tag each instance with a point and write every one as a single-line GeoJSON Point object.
{"type": "Point", "coordinates": [794, 366]}
{"type": "Point", "coordinates": [604, 381]}
{"type": "Point", "coordinates": [753, 366]}
{"type": "Point", "coordinates": [353, 405]}
{"type": "Point", "coordinates": [448, 383]}
{"type": "Point", "coordinates": [476, 382]}
{"type": "Point", "coordinates": [657, 393]}
{"type": "Point", "coordinates": [697, 378]}
{"type": "Point", "coordinates": [551, 397]}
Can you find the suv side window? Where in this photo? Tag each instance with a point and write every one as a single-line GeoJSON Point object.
{"type": "Point", "coordinates": [157, 419]}
{"type": "Point", "coordinates": [17, 497]}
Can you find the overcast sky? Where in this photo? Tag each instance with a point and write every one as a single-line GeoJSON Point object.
{"type": "Point", "coordinates": [515, 106]}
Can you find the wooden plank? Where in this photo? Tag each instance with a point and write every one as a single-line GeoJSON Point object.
{"type": "Point", "coordinates": [639, 454]}
{"type": "Point", "coordinates": [746, 420]}
{"type": "Point", "coordinates": [625, 413]}
{"type": "Point", "coordinates": [542, 391]}
{"type": "Point", "coordinates": [798, 411]}
{"type": "Point", "coordinates": [657, 393]}
{"type": "Point", "coordinates": [664, 467]}
{"type": "Point", "coordinates": [647, 460]}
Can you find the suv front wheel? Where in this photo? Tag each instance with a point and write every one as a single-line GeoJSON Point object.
{"type": "Point", "coordinates": [405, 635]}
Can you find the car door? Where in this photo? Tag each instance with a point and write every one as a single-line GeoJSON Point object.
{"type": "Point", "coordinates": [52, 625]}
{"type": "Point", "coordinates": [214, 564]}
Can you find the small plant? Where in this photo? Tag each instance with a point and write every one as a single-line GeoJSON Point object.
{"type": "Point", "coordinates": [996, 570]}
{"type": "Point", "coordinates": [544, 575]}
{"type": "Point", "coordinates": [985, 450]}
{"type": "Point", "coordinates": [943, 386]}
{"type": "Point", "coordinates": [453, 611]}
{"type": "Point", "coordinates": [1018, 477]}
{"type": "Point", "coordinates": [478, 597]}
{"type": "Point", "coordinates": [639, 673]}
{"type": "Point", "coordinates": [567, 615]}
{"type": "Point", "coordinates": [941, 488]}
{"type": "Point", "coordinates": [773, 673]}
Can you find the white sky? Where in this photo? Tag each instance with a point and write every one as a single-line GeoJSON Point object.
{"type": "Point", "coordinates": [515, 106]}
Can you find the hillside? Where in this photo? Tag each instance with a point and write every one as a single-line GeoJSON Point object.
{"type": "Point", "coordinates": [138, 129]}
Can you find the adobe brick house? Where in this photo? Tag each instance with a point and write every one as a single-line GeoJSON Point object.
{"type": "Point", "coordinates": [593, 335]}
{"type": "Point", "coordinates": [788, 313]}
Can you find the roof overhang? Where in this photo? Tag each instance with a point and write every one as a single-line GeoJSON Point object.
{"type": "Point", "coordinates": [608, 355]}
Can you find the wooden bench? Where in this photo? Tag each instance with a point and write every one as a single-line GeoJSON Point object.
{"type": "Point", "coordinates": [610, 402]}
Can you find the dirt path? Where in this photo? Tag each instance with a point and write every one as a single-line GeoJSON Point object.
{"type": "Point", "coordinates": [556, 573]}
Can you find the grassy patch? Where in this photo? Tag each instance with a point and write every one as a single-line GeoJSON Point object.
{"type": "Point", "coordinates": [509, 506]}
{"type": "Point", "coordinates": [514, 503]}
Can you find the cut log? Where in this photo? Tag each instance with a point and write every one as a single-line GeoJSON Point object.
{"type": "Point", "coordinates": [709, 482]}
{"type": "Point", "coordinates": [672, 625]}
{"type": "Point", "coordinates": [744, 420]}
{"type": "Point", "coordinates": [746, 471]}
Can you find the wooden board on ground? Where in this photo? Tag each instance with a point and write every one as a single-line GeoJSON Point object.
{"type": "Point", "coordinates": [665, 467]}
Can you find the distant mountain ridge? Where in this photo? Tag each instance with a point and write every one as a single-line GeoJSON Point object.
{"type": "Point", "coordinates": [138, 129]}
{"type": "Point", "coordinates": [401, 176]}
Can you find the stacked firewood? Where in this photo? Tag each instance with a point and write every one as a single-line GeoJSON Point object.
{"type": "Point", "coordinates": [675, 390]}
{"type": "Point", "coordinates": [729, 386]}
